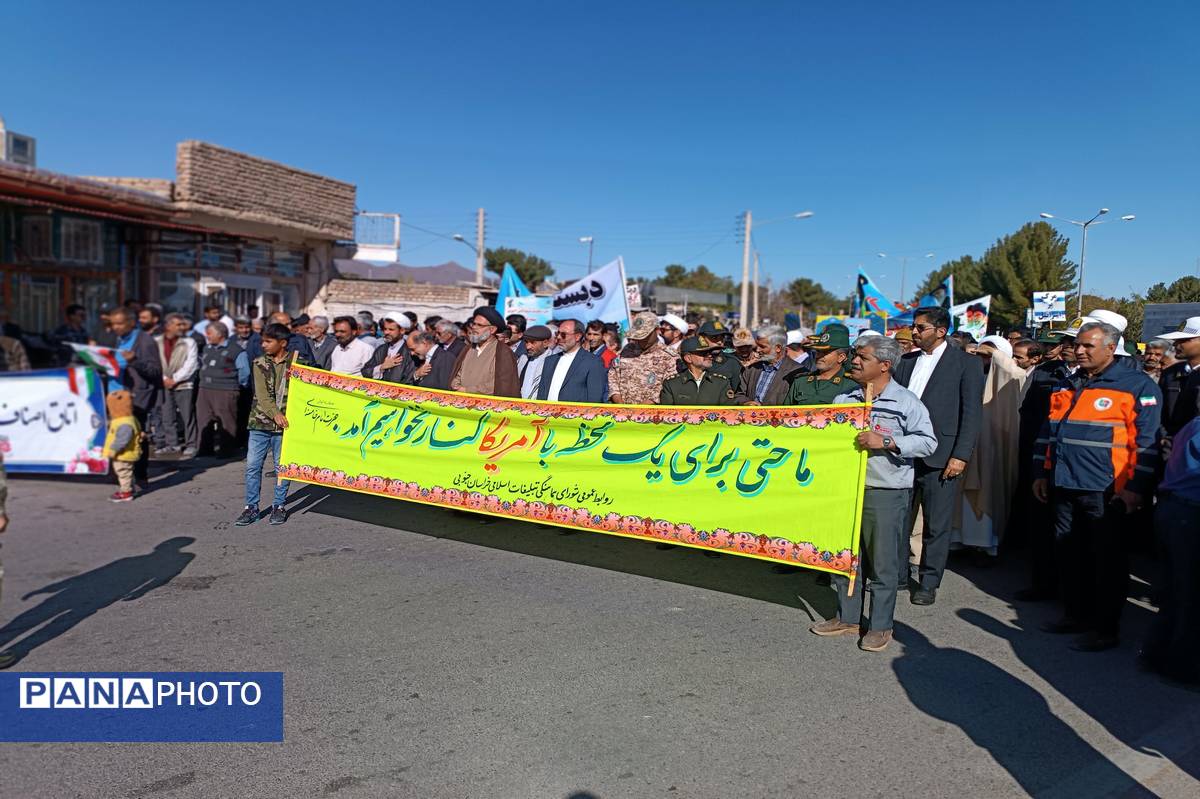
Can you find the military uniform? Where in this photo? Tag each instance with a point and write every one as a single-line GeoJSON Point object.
{"type": "Point", "coordinates": [810, 389]}
{"type": "Point", "coordinates": [682, 389]}
{"type": "Point", "coordinates": [726, 365]}
{"type": "Point", "coordinates": [638, 380]}
{"type": "Point", "coordinates": [807, 387]}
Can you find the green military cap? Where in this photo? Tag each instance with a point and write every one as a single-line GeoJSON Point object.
{"type": "Point", "coordinates": [833, 337]}
{"type": "Point", "coordinates": [1049, 336]}
{"type": "Point", "coordinates": [693, 345]}
{"type": "Point", "coordinates": [714, 329]}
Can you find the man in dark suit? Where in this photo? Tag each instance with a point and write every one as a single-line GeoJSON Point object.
{"type": "Point", "coordinates": [765, 382]}
{"type": "Point", "coordinates": [433, 364]}
{"type": "Point", "coordinates": [573, 375]}
{"type": "Point", "coordinates": [449, 341]}
{"type": "Point", "coordinates": [391, 361]}
{"type": "Point", "coordinates": [950, 384]}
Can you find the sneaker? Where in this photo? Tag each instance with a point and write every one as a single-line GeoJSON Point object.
{"type": "Point", "coordinates": [278, 515]}
{"type": "Point", "coordinates": [121, 496]}
{"type": "Point", "coordinates": [875, 641]}
{"type": "Point", "coordinates": [249, 516]}
{"type": "Point", "coordinates": [834, 627]}
{"type": "Point", "coordinates": [189, 452]}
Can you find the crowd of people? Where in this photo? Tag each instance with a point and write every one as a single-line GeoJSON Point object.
{"type": "Point", "coordinates": [1063, 443]}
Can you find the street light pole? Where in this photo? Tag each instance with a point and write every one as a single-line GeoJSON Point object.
{"type": "Point", "coordinates": [589, 241]}
{"type": "Point", "coordinates": [1083, 243]}
{"type": "Point", "coordinates": [755, 306]}
{"type": "Point", "coordinates": [744, 307]}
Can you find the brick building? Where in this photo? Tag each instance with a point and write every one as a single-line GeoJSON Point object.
{"type": "Point", "coordinates": [231, 229]}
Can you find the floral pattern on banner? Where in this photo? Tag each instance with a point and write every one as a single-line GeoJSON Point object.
{"type": "Point", "coordinates": [745, 543]}
{"type": "Point", "coordinates": [814, 416]}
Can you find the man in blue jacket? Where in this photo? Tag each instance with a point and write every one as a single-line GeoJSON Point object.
{"type": "Point", "coordinates": [573, 375]}
{"type": "Point", "coordinates": [1097, 464]}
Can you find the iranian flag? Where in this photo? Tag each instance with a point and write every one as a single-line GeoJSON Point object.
{"type": "Point", "coordinates": [102, 359]}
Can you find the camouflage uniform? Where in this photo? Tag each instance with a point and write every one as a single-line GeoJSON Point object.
{"type": "Point", "coordinates": [638, 380]}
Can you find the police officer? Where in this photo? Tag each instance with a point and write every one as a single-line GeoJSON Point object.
{"type": "Point", "coordinates": [724, 361]}
{"type": "Point", "coordinates": [830, 349]}
{"type": "Point", "coordinates": [699, 384]}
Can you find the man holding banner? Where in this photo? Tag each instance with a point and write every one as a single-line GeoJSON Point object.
{"type": "Point", "coordinates": [900, 431]}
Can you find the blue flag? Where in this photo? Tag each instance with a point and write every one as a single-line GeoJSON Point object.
{"type": "Point", "coordinates": [941, 296]}
{"type": "Point", "coordinates": [870, 300]}
{"type": "Point", "coordinates": [510, 286]}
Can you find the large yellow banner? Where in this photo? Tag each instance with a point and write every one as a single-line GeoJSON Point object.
{"type": "Point", "coordinates": [778, 483]}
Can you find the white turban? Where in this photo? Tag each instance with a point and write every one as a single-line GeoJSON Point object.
{"type": "Point", "coordinates": [999, 342]}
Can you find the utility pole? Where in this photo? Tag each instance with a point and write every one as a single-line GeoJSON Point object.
{"type": "Point", "coordinates": [755, 306]}
{"type": "Point", "coordinates": [479, 215]}
{"type": "Point", "coordinates": [744, 307]}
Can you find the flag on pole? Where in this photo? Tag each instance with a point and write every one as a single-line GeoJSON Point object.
{"type": "Point", "coordinates": [941, 295]}
{"type": "Point", "coordinates": [601, 295]}
{"type": "Point", "coordinates": [510, 286]}
{"type": "Point", "coordinates": [870, 300]}
{"type": "Point", "coordinates": [103, 359]}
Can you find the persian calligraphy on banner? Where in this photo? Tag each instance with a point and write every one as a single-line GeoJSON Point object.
{"type": "Point", "coordinates": [52, 420]}
{"type": "Point", "coordinates": [777, 483]}
{"type": "Point", "coordinates": [601, 295]}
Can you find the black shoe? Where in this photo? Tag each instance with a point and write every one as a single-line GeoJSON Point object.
{"type": "Point", "coordinates": [278, 515]}
{"type": "Point", "coordinates": [923, 596]}
{"type": "Point", "coordinates": [1033, 595]}
{"type": "Point", "coordinates": [1063, 627]}
{"type": "Point", "coordinates": [1095, 642]}
{"type": "Point", "coordinates": [7, 658]}
{"type": "Point", "coordinates": [249, 516]}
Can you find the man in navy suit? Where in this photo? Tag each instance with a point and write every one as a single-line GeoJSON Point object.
{"type": "Point", "coordinates": [573, 375]}
{"type": "Point", "coordinates": [950, 384]}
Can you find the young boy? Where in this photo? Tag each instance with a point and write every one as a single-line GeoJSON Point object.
{"type": "Point", "coordinates": [267, 423]}
{"type": "Point", "coordinates": [123, 444]}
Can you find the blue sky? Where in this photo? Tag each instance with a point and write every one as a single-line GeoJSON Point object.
{"type": "Point", "coordinates": [906, 128]}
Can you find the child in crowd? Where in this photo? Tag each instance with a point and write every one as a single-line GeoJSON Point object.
{"type": "Point", "coordinates": [123, 444]}
{"type": "Point", "coordinates": [267, 423]}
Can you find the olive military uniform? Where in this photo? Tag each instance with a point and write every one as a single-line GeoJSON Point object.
{"type": "Point", "coordinates": [726, 365]}
{"type": "Point", "coordinates": [807, 388]}
{"type": "Point", "coordinates": [682, 389]}
{"type": "Point", "coordinates": [810, 389]}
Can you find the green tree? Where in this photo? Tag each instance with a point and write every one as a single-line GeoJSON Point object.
{"type": "Point", "coordinates": [1032, 259]}
{"type": "Point", "coordinates": [531, 269]}
{"type": "Point", "coordinates": [1129, 307]}
{"type": "Point", "coordinates": [701, 279]}
{"type": "Point", "coordinates": [966, 279]}
{"type": "Point", "coordinates": [1185, 289]}
{"type": "Point", "coordinates": [811, 295]}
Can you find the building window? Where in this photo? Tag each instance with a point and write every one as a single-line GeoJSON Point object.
{"type": "Point", "coordinates": [82, 242]}
{"type": "Point", "coordinates": [35, 239]}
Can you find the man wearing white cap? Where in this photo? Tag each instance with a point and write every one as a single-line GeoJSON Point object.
{"type": "Point", "coordinates": [672, 329]}
{"type": "Point", "coordinates": [1120, 323]}
{"type": "Point", "coordinates": [796, 340]}
{"type": "Point", "coordinates": [391, 360]}
{"type": "Point", "coordinates": [1180, 382]}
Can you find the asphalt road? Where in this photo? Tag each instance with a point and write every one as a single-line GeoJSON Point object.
{"type": "Point", "coordinates": [429, 655]}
